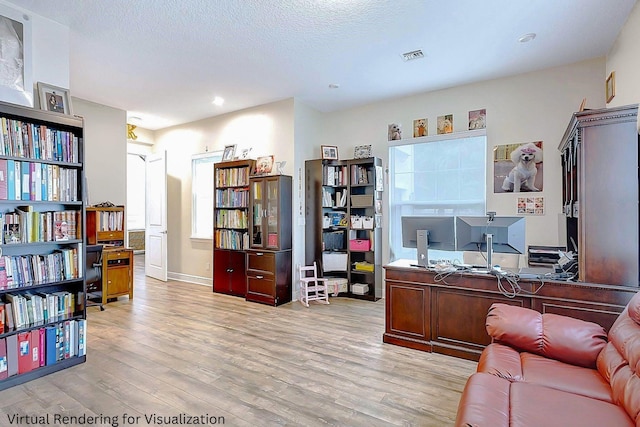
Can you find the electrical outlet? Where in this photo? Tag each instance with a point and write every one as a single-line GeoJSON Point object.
{"type": "Point", "coordinates": [208, 266]}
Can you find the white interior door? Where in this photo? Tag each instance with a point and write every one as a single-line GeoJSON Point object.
{"type": "Point", "coordinates": [156, 224]}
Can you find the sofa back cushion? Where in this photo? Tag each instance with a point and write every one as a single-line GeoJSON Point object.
{"type": "Point", "coordinates": [619, 361]}
{"type": "Point", "coordinates": [562, 338]}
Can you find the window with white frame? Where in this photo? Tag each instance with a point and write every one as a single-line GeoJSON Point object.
{"type": "Point", "coordinates": [202, 194]}
{"type": "Point", "coordinates": [439, 177]}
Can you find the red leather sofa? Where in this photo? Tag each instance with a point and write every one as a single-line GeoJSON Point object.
{"type": "Point", "coordinates": [551, 370]}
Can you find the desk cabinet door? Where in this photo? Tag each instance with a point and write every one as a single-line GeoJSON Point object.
{"type": "Point", "coordinates": [118, 280]}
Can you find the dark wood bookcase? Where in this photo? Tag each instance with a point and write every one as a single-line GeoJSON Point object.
{"type": "Point", "coordinates": [43, 221]}
{"type": "Point", "coordinates": [343, 210]}
{"type": "Point", "coordinates": [270, 225]}
{"type": "Point", "coordinates": [231, 226]}
{"type": "Point", "coordinates": [600, 194]}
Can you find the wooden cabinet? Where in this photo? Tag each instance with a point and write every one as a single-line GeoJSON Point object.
{"type": "Point", "coordinates": [600, 194]}
{"type": "Point", "coordinates": [427, 313]}
{"type": "Point", "coordinates": [41, 242]}
{"type": "Point", "coordinates": [231, 225]}
{"type": "Point", "coordinates": [105, 225]}
{"type": "Point", "coordinates": [229, 272]}
{"type": "Point", "coordinates": [117, 273]}
{"type": "Point", "coordinates": [269, 259]}
{"type": "Point", "coordinates": [269, 276]}
{"type": "Point", "coordinates": [343, 203]}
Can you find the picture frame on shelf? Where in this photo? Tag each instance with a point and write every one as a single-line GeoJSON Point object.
{"type": "Point", "coordinates": [611, 86]}
{"type": "Point", "coordinates": [329, 152]}
{"type": "Point", "coordinates": [229, 152]}
{"type": "Point", "coordinates": [54, 98]}
{"type": "Point", "coordinates": [362, 152]}
{"type": "Point", "coordinates": [264, 165]}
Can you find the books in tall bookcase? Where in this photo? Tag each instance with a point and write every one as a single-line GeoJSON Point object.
{"type": "Point", "coordinates": [33, 141]}
{"type": "Point", "coordinates": [26, 225]}
{"type": "Point", "coordinates": [41, 230]}
{"type": "Point", "coordinates": [26, 180]}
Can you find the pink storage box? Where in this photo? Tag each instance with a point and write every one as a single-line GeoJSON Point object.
{"type": "Point", "coordinates": [359, 245]}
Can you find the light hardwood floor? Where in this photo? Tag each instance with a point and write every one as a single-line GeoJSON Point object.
{"type": "Point", "coordinates": [179, 348]}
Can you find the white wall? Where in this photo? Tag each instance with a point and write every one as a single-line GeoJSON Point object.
{"type": "Point", "coordinates": [308, 126]}
{"type": "Point", "coordinates": [105, 135]}
{"type": "Point", "coordinates": [267, 129]}
{"type": "Point", "coordinates": [624, 59]}
{"type": "Point", "coordinates": [529, 107]}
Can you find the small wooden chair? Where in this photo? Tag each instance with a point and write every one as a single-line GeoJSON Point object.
{"type": "Point", "coordinates": [312, 287]}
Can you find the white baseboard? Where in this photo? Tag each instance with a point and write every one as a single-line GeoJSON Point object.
{"type": "Point", "coordinates": [198, 280]}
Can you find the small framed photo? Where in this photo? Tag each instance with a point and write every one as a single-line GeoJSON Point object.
{"type": "Point", "coordinates": [329, 152]}
{"type": "Point", "coordinates": [54, 98]}
{"type": "Point", "coordinates": [362, 152]}
{"type": "Point", "coordinates": [611, 86]}
{"type": "Point", "coordinates": [229, 152]}
{"type": "Point", "coordinates": [264, 165]}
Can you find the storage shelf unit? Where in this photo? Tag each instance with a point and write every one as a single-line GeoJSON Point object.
{"type": "Point", "coordinates": [41, 201]}
{"type": "Point", "coordinates": [343, 213]}
{"type": "Point", "coordinates": [105, 225]}
{"type": "Point", "coordinates": [600, 194]}
{"type": "Point", "coordinates": [231, 226]}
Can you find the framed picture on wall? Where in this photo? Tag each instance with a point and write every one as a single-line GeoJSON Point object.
{"type": "Point", "coordinates": [611, 86]}
{"type": "Point", "coordinates": [16, 85]}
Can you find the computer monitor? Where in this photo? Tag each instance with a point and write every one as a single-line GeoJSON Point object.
{"type": "Point", "coordinates": [428, 232]}
{"type": "Point", "coordinates": [490, 234]}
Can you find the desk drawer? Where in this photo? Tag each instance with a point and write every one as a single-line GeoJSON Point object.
{"type": "Point", "coordinates": [116, 257]}
{"type": "Point", "coordinates": [263, 261]}
{"type": "Point", "coordinates": [261, 285]}
{"type": "Point", "coordinates": [110, 235]}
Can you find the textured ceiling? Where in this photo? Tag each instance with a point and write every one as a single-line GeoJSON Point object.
{"type": "Point", "coordinates": [165, 60]}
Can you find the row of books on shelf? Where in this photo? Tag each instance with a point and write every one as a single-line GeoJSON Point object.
{"type": "Point", "coordinates": [231, 218]}
{"type": "Point", "coordinates": [231, 239]}
{"type": "Point", "coordinates": [232, 198]}
{"type": "Point", "coordinates": [361, 175]}
{"type": "Point", "coordinates": [337, 199]}
{"type": "Point", "coordinates": [25, 225]}
{"type": "Point", "coordinates": [26, 351]}
{"type": "Point", "coordinates": [335, 175]}
{"type": "Point", "coordinates": [110, 220]}
{"type": "Point", "coordinates": [22, 180]}
{"type": "Point", "coordinates": [39, 142]}
{"type": "Point", "coordinates": [19, 271]}
{"type": "Point", "coordinates": [24, 310]}
{"type": "Point", "coordinates": [232, 177]}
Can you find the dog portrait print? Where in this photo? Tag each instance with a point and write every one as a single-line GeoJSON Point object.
{"type": "Point", "coordinates": [445, 124]}
{"type": "Point", "coordinates": [477, 119]}
{"type": "Point", "coordinates": [518, 167]}
{"type": "Point", "coordinates": [395, 133]}
{"type": "Point", "coordinates": [420, 128]}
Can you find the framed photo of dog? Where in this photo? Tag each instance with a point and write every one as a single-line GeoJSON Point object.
{"type": "Point", "coordinates": [517, 168]}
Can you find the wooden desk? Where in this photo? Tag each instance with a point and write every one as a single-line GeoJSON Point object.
{"type": "Point", "coordinates": [449, 316]}
{"type": "Point", "coordinates": [117, 273]}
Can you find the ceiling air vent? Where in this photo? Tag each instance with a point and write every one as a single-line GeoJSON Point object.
{"type": "Point", "coordinates": [414, 54]}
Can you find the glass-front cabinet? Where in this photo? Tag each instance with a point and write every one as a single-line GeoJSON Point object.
{"type": "Point", "coordinates": [268, 230]}
{"type": "Point", "coordinates": [269, 256]}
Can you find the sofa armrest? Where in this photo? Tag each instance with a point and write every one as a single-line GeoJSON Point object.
{"type": "Point", "coordinates": [502, 361]}
{"type": "Point", "coordinates": [559, 337]}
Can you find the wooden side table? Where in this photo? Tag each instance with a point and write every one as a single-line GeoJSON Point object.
{"type": "Point", "coordinates": [117, 273]}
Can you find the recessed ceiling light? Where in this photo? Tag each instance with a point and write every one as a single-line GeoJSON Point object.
{"type": "Point", "coordinates": [218, 101]}
{"type": "Point", "coordinates": [334, 85]}
{"type": "Point", "coordinates": [527, 37]}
